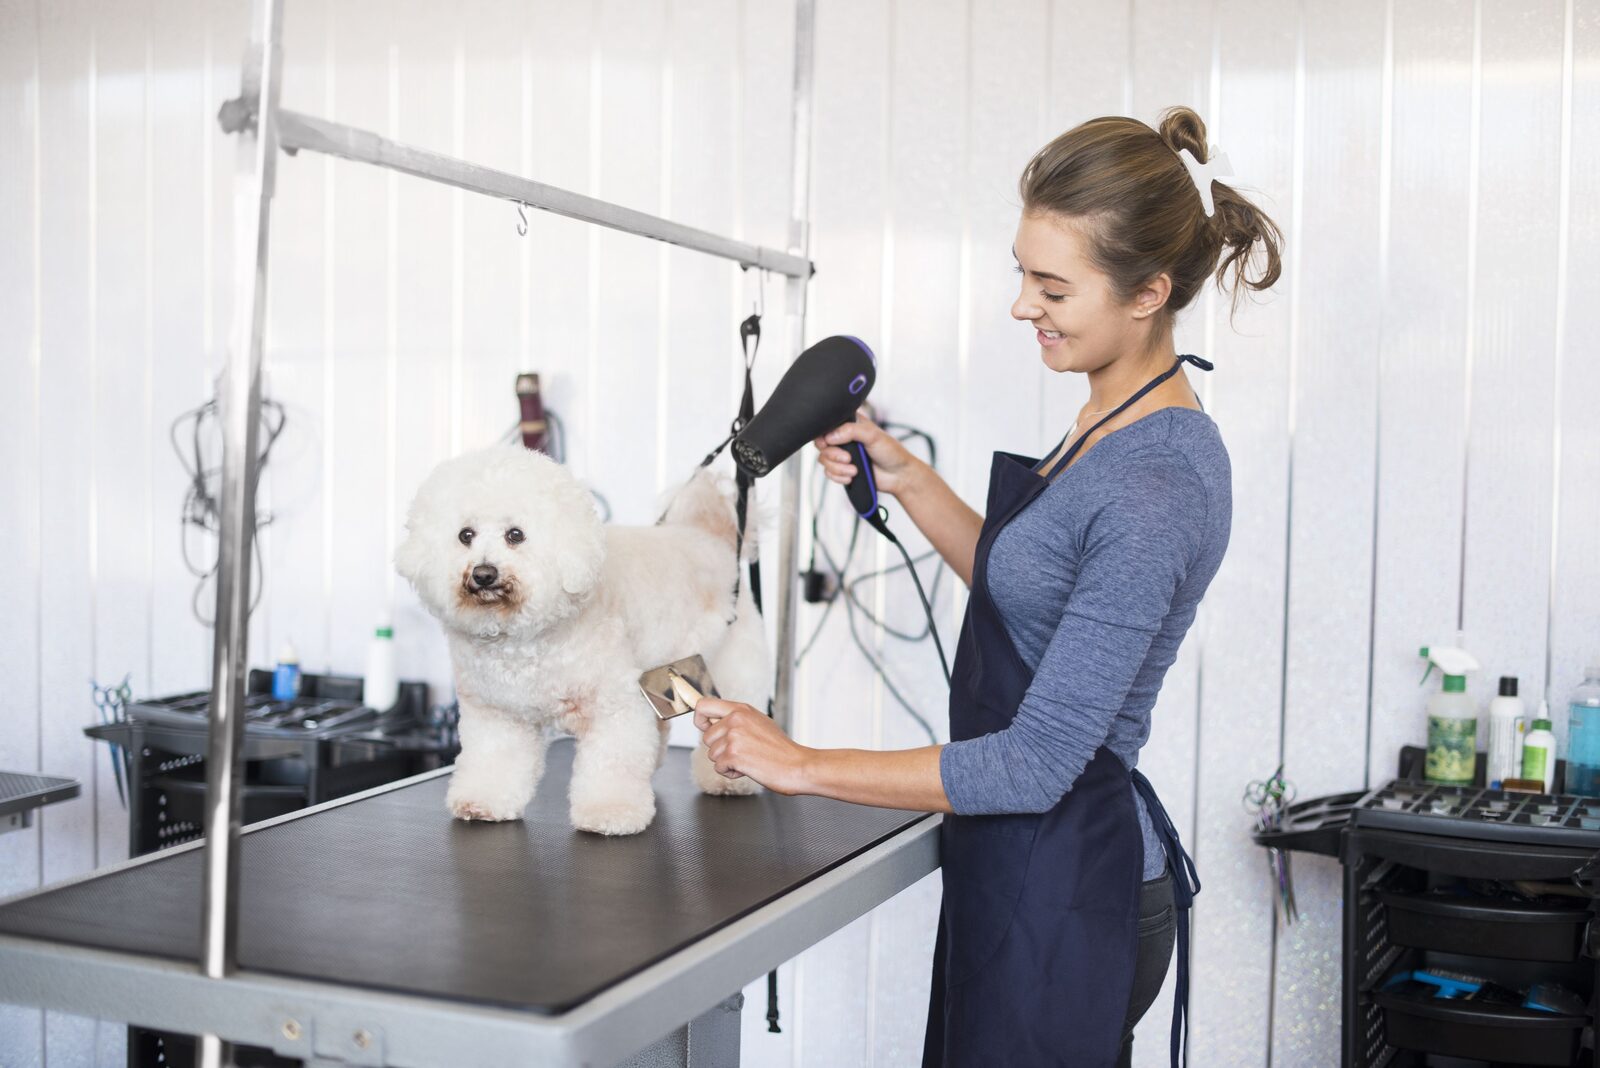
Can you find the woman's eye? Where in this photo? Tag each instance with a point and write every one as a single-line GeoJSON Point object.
{"type": "Point", "coordinates": [466, 535]}
{"type": "Point", "coordinates": [1016, 268]}
{"type": "Point", "coordinates": [1055, 297]}
{"type": "Point", "coordinates": [514, 536]}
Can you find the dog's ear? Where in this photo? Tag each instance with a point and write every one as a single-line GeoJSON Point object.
{"type": "Point", "coordinates": [578, 565]}
{"type": "Point", "coordinates": [411, 557]}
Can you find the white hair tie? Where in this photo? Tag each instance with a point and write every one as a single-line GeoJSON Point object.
{"type": "Point", "coordinates": [1203, 174]}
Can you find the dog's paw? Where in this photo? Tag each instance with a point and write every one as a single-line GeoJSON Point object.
{"type": "Point", "coordinates": [613, 815]}
{"type": "Point", "coordinates": [465, 805]}
{"type": "Point", "coordinates": [706, 777]}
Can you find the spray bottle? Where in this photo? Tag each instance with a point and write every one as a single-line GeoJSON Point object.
{"type": "Point", "coordinates": [1452, 719]}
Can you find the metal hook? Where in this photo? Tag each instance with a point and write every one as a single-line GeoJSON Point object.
{"type": "Point", "coordinates": [522, 219]}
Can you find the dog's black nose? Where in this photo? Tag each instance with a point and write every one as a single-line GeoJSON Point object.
{"type": "Point", "coordinates": [484, 576]}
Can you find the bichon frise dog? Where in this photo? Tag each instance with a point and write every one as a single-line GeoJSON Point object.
{"type": "Point", "coordinates": [552, 615]}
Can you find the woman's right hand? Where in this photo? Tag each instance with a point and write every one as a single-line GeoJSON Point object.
{"type": "Point", "coordinates": [894, 467]}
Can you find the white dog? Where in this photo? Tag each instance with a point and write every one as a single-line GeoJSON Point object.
{"type": "Point", "coordinates": [551, 617]}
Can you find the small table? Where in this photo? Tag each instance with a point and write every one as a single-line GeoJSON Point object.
{"type": "Point", "coordinates": [20, 794]}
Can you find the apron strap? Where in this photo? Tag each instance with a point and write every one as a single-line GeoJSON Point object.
{"type": "Point", "coordinates": [1061, 464]}
{"type": "Point", "coordinates": [1185, 885]}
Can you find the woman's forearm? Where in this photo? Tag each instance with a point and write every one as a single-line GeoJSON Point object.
{"type": "Point", "coordinates": [905, 778]}
{"type": "Point", "coordinates": [950, 526]}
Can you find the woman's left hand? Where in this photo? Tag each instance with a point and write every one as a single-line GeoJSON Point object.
{"type": "Point", "coordinates": [741, 740]}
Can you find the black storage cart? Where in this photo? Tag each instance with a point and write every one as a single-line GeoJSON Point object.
{"type": "Point", "coordinates": [1418, 861]}
{"type": "Point", "coordinates": [322, 745]}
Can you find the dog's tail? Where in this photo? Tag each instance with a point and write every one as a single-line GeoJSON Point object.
{"type": "Point", "coordinates": [707, 501]}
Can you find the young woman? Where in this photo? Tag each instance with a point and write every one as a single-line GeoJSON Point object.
{"type": "Point", "coordinates": [1062, 874]}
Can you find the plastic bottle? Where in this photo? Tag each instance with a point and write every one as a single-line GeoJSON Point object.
{"type": "Point", "coordinates": [380, 687]}
{"type": "Point", "coordinates": [1505, 734]}
{"type": "Point", "coordinates": [286, 675]}
{"type": "Point", "coordinates": [1452, 719]}
{"type": "Point", "coordinates": [1583, 735]}
{"type": "Point", "coordinates": [1539, 752]}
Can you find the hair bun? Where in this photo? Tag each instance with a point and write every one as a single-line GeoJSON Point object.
{"type": "Point", "coordinates": [1183, 128]}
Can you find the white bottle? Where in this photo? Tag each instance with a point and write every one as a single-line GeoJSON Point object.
{"type": "Point", "coordinates": [380, 687]}
{"type": "Point", "coordinates": [1539, 751]}
{"type": "Point", "coordinates": [1506, 724]}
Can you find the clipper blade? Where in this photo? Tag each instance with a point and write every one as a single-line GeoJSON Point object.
{"type": "Point", "coordinates": [674, 689]}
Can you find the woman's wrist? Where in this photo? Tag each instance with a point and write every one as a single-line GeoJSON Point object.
{"type": "Point", "coordinates": [914, 481]}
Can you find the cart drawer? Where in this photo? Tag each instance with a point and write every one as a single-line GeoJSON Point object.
{"type": "Point", "coordinates": [1480, 1031]}
{"type": "Point", "coordinates": [1478, 927]}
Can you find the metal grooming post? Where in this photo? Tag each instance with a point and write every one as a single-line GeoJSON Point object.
{"type": "Point", "coordinates": [263, 128]}
{"type": "Point", "coordinates": [241, 406]}
{"type": "Point", "coordinates": [795, 308]}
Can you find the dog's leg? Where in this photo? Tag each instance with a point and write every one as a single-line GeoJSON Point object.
{"type": "Point", "coordinates": [617, 754]}
{"type": "Point", "coordinates": [499, 767]}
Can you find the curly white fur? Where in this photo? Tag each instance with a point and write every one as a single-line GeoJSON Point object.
{"type": "Point", "coordinates": [576, 610]}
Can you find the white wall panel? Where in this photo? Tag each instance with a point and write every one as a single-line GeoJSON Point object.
{"type": "Point", "coordinates": [298, 371]}
{"type": "Point", "coordinates": [21, 1030]}
{"type": "Point", "coordinates": [67, 338]}
{"type": "Point", "coordinates": [122, 430]}
{"type": "Point", "coordinates": [1422, 369]}
{"type": "Point", "coordinates": [429, 80]}
{"type": "Point", "coordinates": [1512, 344]}
{"type": "Point", "coordinates": [1575, 585]}
{"type": "Point", "coordinates": [1418, 385]}
{"type": "Point", "coordinates": [1333, 443]}
{"type": "Point", "coordinates": [180, 261]}
{"type": "Point", "coordinates": [361, 369]}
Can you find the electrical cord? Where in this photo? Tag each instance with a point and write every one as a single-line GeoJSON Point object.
{"type": "Point", "coordinates": [852, 601]}
{"type": "Point", "coordinates": [200, 506]}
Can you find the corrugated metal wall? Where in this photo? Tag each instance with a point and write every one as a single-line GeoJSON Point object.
{"type": "Point", "coordinates": [1411, 415]}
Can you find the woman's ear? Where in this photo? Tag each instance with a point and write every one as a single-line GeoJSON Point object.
{"type": "Point", "coordinates": [1152, 296]}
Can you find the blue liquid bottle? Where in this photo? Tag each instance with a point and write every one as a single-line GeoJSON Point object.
{"type": "Point", "coordinates": [1583, 736]}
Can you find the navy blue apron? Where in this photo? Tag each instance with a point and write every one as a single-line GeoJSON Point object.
{"type": "Point", "coordinates": [1033, 963]}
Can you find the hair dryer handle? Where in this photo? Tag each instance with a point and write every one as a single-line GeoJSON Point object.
{"type": "Point", "coordinates": [863, 489]}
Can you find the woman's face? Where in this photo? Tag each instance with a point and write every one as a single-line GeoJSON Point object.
{"type": "Point", "coordinates": [1080, 323]}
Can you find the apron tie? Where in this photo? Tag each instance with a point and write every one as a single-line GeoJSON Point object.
{"type": "Point", "coordinates": [1185, 885]}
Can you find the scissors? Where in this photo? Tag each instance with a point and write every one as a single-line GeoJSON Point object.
{"type": "Point", "coordinates": [112, 703]}
{"type": "Point", "coordinates": [1266, 799]}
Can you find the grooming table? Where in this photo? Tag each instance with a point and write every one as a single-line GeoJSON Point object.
{"type": "Point", "coordinates": [21, 794]}
{"type": "Point", "coordinates": [376, 930]}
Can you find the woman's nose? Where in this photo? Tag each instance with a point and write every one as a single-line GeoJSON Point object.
{"type": "Point", "coordinates": [1025, 309]}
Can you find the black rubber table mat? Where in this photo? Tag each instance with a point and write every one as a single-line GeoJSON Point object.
{"type": "Point", "coordinates": [19, 793]}
{"type": "Point", "coordinates": [390, 892]}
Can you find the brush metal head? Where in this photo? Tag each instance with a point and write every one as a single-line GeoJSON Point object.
{"type": "Point", "coordinates": [674, 689]}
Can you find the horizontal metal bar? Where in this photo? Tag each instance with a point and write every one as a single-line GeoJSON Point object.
{"type": "Point", "coordinates": [297, 131]}
{"type": "Point", "coordinates": [298, 1017]}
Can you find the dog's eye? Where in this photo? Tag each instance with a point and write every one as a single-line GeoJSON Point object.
{"type": "Point", "coordinates": [514, 536]}
{"type": "Point", "coordinates": [466, 535]}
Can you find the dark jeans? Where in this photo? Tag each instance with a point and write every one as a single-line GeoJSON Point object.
{"type": "Point", "coordinates": [1157, 933]}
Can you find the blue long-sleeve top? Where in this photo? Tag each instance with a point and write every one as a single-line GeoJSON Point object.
{"type": "Point", "coordinates": [1097, 582]}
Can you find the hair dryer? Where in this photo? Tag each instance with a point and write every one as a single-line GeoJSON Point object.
{"type": "Point", "coordinates": [821, 390]}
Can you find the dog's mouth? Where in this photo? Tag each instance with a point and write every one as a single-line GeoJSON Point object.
{"type": "Point", "coordinates": [502, 593]}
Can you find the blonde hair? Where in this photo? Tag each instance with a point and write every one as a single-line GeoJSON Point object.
{"type": "Point", "coordinates": [1124, 185]}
